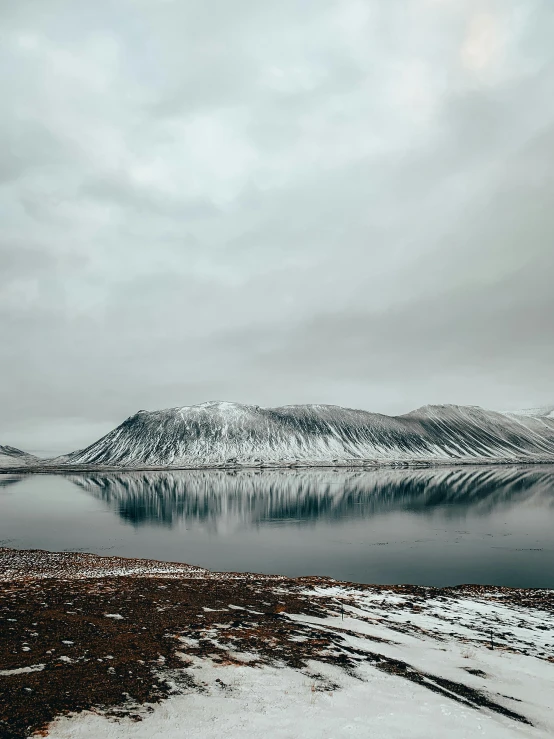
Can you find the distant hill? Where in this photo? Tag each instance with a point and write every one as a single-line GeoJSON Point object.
{"type": "Point", "coordinates": [12, 457]}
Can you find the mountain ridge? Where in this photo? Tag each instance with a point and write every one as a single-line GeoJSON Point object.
{"type": "Point", "coordinates": [225, 433]}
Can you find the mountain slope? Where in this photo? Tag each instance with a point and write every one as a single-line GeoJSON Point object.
{"type": "Point", "coordinates": [217, 433]}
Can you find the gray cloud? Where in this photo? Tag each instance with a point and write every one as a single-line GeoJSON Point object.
{"type": "Point", "coordinates": [343, 202]}
{"type": "Point", "coordinates": [117, 190]}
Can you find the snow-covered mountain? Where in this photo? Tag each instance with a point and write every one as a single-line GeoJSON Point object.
{"type": "Point", "coordinates": [220, 433]}
{"type": "Point", "coordinates": [12, 457]}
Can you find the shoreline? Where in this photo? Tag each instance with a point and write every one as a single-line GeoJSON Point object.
{"type": "Point", "coordinates": [347, 465]}
{"type": "Point", "coordinates": [25, 565]}
{"type": "Point", "coordinates": [109, 645]}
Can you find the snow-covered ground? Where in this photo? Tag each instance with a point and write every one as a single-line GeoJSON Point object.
{"type": "Point", "coordinates": [254, 656]}
{"type": "Point", "coordinates": [288, 704]}
{"type": "Point", "coordinates": [445, 647]}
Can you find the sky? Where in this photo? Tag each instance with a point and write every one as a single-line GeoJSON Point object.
{"type": "Point", "coordinates": [342, 201]}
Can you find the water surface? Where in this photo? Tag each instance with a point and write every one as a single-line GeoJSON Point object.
{"type": "Point", "coordinates": [488, 525]}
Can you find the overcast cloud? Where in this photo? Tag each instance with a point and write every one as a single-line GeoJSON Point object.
{"type": "Point", "coordinates": [336, 201]}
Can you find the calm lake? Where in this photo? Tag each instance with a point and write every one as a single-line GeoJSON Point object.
{"type": "Point", "coordinates": [492, 525]}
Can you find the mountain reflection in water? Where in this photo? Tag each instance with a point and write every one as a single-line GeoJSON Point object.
{"type": "Point", "coordinates": [213, 498]}
{"type": "Point", "coordinates": [7, 480]}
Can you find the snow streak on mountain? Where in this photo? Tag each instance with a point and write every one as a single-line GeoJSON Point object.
{"type": "Point", "coordinates": [220, 433]}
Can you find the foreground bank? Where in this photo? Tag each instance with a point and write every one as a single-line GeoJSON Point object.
{"type": "Point", "coordinates": [94, 646]}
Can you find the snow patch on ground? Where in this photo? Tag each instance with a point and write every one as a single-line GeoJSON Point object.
{"type": "Point", "coordinates": [22, 670]}
{"type": "Point", "coordinates": [287, 704]}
